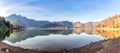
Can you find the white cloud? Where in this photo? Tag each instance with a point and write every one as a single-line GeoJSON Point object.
{"type": "Point", "coordinates": [3, 11]}
{"type": "Point", "coordinates": [84, 12]}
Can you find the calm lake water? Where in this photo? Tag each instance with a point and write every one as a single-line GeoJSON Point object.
{"type": "Point", "coordinates": [54, 39]}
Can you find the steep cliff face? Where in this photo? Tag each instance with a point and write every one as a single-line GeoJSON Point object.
{"type": "Point", "coordinates": [85, 25]}
{"type": "Point", "coordinates": [78, 25]}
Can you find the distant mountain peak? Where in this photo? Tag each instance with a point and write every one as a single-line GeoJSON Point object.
{"type": "Point", "coordinates": [25, 22]}
{"type": "Point", "coordinates": [15, 15]}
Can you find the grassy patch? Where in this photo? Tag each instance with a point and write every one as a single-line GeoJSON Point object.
{"type": "Point", "coordinates": [106, 46]}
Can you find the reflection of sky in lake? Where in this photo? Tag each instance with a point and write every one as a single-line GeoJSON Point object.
{"type": "Point", "coordinates": [57, 42]}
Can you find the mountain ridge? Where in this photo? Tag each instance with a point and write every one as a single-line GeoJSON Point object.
{"type": "Point", "coordinates": [25, 22]}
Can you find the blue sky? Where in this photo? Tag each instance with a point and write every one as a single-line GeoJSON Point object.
{"type": "Point", "coordinates": [61, 10]}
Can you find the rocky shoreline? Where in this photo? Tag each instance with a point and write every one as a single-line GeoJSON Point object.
{"type": "Point", "coordinates": [104, 46]}
{"type": "Point", "coordinates": [4, 48]}
{"type": "Point", "coordinates": [90, 48]}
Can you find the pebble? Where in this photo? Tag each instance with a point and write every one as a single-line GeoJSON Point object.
{"type": "Point", "coordinates": [5, 50]}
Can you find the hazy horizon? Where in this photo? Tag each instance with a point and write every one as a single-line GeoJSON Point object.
{"type": "Point", "coordinates": [52, 20]}
{"type": "Point", "coordinates": [61, 10]}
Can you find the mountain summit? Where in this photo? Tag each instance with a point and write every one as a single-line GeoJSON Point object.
{"type": "Point", "coordinates": [25, 22]}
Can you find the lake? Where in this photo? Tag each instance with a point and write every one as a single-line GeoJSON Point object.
{"type": "Point", "coordinates": [56, 39]}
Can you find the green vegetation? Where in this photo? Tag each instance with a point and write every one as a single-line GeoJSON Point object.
{"type": "Point", "coordinates": [4, 27]}
{"type": "Point", "coordinates": [106, 46]}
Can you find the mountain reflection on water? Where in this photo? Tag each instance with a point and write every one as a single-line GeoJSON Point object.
{"type": "Point", "coordinates": [55, 39]}
{"type": "Point", "coordinates": [109, 33]}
